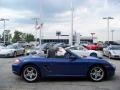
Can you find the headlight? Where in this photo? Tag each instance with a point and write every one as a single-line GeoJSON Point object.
{"type": "Point", "coordinates": [113, 52]}
{"type": "Point", "coordinates": [17, 61]}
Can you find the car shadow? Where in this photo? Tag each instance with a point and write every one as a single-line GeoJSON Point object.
{"type": "Point", "coordinates": [62, 79]}
{"type": "Point", "coordinates": [73, 80]}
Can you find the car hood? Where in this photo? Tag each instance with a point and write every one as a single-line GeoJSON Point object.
{"type": "Point", "coordinates": [115, 52]}
{"type": "Point", "coordinates": [6, 50]}
{"type": "Point", "coordinates": [94, 59]}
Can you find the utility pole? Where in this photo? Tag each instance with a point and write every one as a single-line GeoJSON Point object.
{"type": "Point", "coordinates": [4, 20]}
{"type": "Point", "coordinates": [36, 27]}
{"type": "Point", "coordinates": [108, 27]}
{"type": "Point", "coordinates": [71, 36]}
{"type": "Point", "coordinates": [92, 36]}
{"type": "Point", "coordinates": [40, 32]}
{"type": "Point", "coordinates": [112, 31]}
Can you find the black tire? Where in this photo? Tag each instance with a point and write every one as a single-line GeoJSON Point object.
{"type": "Point", "coordinates": [31, 75]}
{"type": "Point", "coordinates": [23, 52]}
{"type": "Point", "coordinates": [109, 55]}
{"type": "Point", "coordinates": [93, 55]}
{"type": "Point", "coordinates": [96, 73]}
{"type": "Point", "coordinates": [15, 54]}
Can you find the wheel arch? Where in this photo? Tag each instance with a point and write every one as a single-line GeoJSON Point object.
{"type": "Point", "coordinates": [30, 64]}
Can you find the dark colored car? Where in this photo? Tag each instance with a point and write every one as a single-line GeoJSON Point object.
{"type": "Point", "coordinates": [63, 45]}
{"type": "Point", "coordinates": [32, 68]}
{"type": "Point", "coordinates": [108, 43]}
{"type": "Point", "coordinates": [100, 46]}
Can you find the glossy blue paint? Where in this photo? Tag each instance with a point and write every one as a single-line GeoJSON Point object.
{"type": "Point", "coordinates": [63, 67]}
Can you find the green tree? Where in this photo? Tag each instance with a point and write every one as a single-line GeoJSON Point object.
{"type": "Point", "coordinates": [17, 36]}
{"type": "Point", "coordinates": [29, 38]}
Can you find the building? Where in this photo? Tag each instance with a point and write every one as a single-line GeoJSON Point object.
{"type": "Point", "coordinates": [65, 39]}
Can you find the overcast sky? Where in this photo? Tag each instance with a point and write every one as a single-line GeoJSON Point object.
{"type": "Point", "coordinates": [56, 16]}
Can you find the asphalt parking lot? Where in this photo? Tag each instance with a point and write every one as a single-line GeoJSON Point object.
{"type": "Point", "coordinates": [9, 81]}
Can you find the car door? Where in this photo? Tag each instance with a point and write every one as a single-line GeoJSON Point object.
{"type": "Point", "coordinates": [19, 50]}
{"type": "Point", "coordinates": [70, 66]}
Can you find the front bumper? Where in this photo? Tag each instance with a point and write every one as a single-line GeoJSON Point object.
{"type": "Point", "coordinates": [110, 71]}
{"type": "Point", "coordinates": [115, 56]}
{"type": "Point", "coordinates": [6, 55]}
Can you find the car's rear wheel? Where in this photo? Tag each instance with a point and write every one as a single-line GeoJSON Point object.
{"type": "Point", "coordinates": [30, 73]}
{"type": "Point", "coordinates": [93, 54]}
{"type": "Point", "coordinates": [96, 73]}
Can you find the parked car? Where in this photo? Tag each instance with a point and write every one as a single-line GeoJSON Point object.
{"type": "Point", "coordinates": [82, 51]}
{"type": "Point", "coordinates": [112, 51]}
{"type": "Point", "coordinates": [63, 45]}
{"type": "Point", "coordinates": [100, 46]}
{"type": "Point", "coordinates": [1, 47]}
{"type": "Point", "coordinates": [84, 43]}
{"type": "Point", "coordinates": [46, 46]}
{"type": "Point", "coordinates": [91, 47]}
{"type": "Point", "coordinates": [23, 44]}
{"type": "Point", "coordinates": [32, 68]}
{"type": "Point", "coordinates": [108, 43]}
{"type": "Point", "coordinates": [34, 50]}
{"type": "Point", "coordinates": [11, 51]}
{"type": "Point", "coordinates": [5, 44]}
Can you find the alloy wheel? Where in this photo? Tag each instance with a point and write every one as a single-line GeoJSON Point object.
{"type": "Point", "coordinates": [97, 73]}
{"type": "Point", "coordinates": [30, 74]}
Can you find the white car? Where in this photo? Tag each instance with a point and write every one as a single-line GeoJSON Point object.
{"type": "Point", "coordinates": [11, 51]}
{"type": "Point", "coordinates": [35, 50]}
{"type": "Point", "coordinates": [112, 51]}
{"type": "Point", "coordinates": [83, 52]}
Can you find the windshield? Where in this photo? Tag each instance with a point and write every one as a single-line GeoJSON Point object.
{"type": "Point", "coordinates": [115, 48]}
{"type": "Point", "coordinates": [77, 48]}
{"type": "Point", "coordinates": [10, 47]}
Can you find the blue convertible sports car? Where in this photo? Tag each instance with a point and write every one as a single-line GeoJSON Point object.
{"type": "Point", "coordinates": [32, 68]}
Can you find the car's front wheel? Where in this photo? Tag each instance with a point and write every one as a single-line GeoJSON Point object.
{"type": "Point", "coordinates": [15, 54]}
{"type": "Point", "coordinates": [109, 55]}
{"type": "Point", "coordinates": [30, 73]}
{"type": "Point", "coordinates": [96, 73]}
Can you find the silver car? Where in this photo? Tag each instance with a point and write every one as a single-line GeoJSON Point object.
{"type": "Point", "coordinates": [112, 51]}
{"type": "Point", "coordinates": [11, 51]}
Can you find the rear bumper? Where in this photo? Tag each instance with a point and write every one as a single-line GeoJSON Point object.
{"type": "Point", "coordinates": [16, 69]}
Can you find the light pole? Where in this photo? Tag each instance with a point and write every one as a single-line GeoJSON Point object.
{"type": "Point", "coordinates": [71, 36]}
{"type": "Point", "coordinates": [108, 27]}
{"type": "Point", "coordinates": [4, 20]}
{"type": "Point", "coordinates": [36, 27]}
{"type": "Point", "coordinates": [92, 36]}
{"type": "Point", "coordinates": [40, 33]}
{"type": "Point", "coordinates": [112, 31]}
